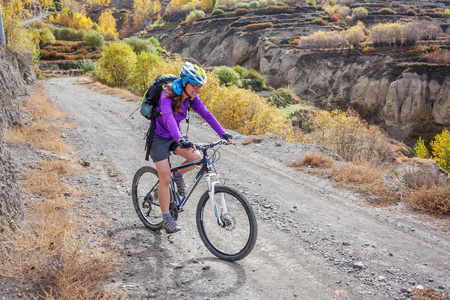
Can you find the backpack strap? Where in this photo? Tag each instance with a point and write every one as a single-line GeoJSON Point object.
{"type": "Point", "coordinates": [149, 138]}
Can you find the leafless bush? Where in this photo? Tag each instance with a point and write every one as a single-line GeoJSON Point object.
{"type": "Point", "coordinates": [416, 179]}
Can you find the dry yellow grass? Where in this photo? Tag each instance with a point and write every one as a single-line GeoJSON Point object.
{"type": "Point", "coordinates": [50, 252]}
{"type": "Point", "coordinates": [50, 248]}
{"type": "Point", "coordinates": [104, 89]}
{"type": "Point", "coordinates": [366, 178]}
{"type": "Point", "coordinates": [41, 133]}
{"type": "Point", "coordinates": [314, 160]}
{"type": "Point", "coordinates": [39, 106]}
{"type": "Point", "coordinates": [46, 179]}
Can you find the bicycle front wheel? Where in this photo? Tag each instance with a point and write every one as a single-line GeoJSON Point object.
{"type": "Point", "coordinates": [145, 197]}
{"type": "Point", "coordinates": [234, 237]}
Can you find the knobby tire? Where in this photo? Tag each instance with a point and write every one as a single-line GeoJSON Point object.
{"type": "Point", "coordinates": [236, 239]}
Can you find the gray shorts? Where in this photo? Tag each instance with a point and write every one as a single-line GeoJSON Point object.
{"type": "Point", "coordinates": [161, 148]}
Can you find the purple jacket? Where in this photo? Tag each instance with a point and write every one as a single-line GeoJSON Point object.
{"type": "Point", "coordinates": [168, 124]}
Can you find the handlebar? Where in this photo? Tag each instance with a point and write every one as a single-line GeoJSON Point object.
{"type": "Point", "coordinates": [211, 144]}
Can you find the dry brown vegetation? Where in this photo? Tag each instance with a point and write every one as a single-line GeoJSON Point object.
{"type": "Point", "coordinates": [434, 200]}
{"type": "Point", "coordinates": [44, 127]}
{"type": "Point", "coordinates": [46, 179]}
{"type": "Point", "coordinates": [41, 134]}
{"type": "Point", "coordinates": [50, 249]}
{"type": "Point", "coordinates": [429, 293]}
{"type": "Point", "coordinates": [252, 139]}
{"type": "Point", "coordinates": [424, 191]}
{"type": "Point", "coordinates": [314, 160]}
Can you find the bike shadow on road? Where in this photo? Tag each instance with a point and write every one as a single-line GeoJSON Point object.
{"type": "Point", "coordinates": [151, 256]}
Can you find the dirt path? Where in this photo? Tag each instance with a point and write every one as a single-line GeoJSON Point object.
{"type": "Point", "coordinates": [313, 239]}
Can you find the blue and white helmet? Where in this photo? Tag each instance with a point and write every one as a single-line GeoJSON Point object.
{"type": "Point", "coordinates": [193, 73]}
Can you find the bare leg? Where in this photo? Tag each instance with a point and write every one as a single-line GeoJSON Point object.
{"type": "Point", "coordinates": [163, 169]}
{"type": "Point", "coordinates": [189, 155]}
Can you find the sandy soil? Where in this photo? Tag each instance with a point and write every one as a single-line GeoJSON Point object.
{"type": "Point", "coordinates": [314, 239]}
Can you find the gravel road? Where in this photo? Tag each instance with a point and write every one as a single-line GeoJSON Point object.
{"type": "Point", "coordinates": [315, 241]}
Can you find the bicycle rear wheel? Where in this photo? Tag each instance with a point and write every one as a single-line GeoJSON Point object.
{"type": "Point", "coordinates": [145, 197]}
{"type": "Point", "coordinates": [236, 238]}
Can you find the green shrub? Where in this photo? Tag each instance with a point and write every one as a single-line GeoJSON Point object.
{"type": "Point", "coordinates": [194, 15]}
{"type": "Point", "coordinates": [81, 33]}
{"type": "Point", "coordinates": [256, 81]}
{"type": "Point", "coordinates": [222, 7]}
{"type": "Point", "coordinates": [117, 64]}
{"type": "Point", "coordinates": [110, 36]}
{"type": "Point", "coordinates": [87, 65]}
{"type": "Point", "coordinates": [217, 12]}
{"type": "Point", "coordinates": [94, 40]}
{"type": "Point", "coordinates": [66, 34]}
{"type": "Point", "coordinates": [154, 41]}
{"type": "Point", "coordinates": [227, 76]}
{"type": "Point", "coordinates": [41, 25]}
{"type": "Point", "coordinates": [253, 4]}
{"type": "Point", "coordinates": [139, 45]}
{"type": "Point", "coordinates": [360, 13]}
{"type": "Point", "coordinates": [241, 71]}
{"type": "Point", "coordinates": [281, 98]}
{"type": "Point", "coordinates": [47, 37]}
{"type": "Point", "coordinates": [241, 5]}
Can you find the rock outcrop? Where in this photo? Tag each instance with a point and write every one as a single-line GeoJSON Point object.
{"type": "Point", "coordinates": [16, 78]}
{"type": "Point", "coordinates": [402, 95]}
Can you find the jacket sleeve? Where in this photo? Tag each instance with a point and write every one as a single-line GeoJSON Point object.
{"type": "Point", "coordinates": [169, 122]}
{"type": "Point", "coordinates": [200, 108]}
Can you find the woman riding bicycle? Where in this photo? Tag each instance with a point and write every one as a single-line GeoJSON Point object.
{"type": "Point", "coordinates": [174, 105]}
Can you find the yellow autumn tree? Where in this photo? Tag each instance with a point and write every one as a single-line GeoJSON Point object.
{"type": "Point", "coordinates": [45, 3]}
{"type": "Point", "coordinates": [441, 149]}
{"type": "Point", "coordinates": [104, 3]}
{"type": "Point", "coordinates": [156, 7]}
{"type": "Point", "coordinates": [77, 20]}
{"type": "Point", "coordinates": [141, 11]}
{"type": "Point", "coordinates": [207, 5]}
{"type": "Point", "coordinates": [106, 22]}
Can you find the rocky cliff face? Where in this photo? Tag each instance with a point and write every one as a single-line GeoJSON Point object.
{"type": "Point", "coordinates": [401, 95]}
{"type": "Point", "coordinates": [16, 78]}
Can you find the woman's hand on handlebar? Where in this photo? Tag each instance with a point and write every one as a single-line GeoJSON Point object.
{"type": "Point", "coordinates": [228, 138]}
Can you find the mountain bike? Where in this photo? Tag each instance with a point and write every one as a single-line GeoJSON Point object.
{"type": "Point", "coordinates": [225, 219]}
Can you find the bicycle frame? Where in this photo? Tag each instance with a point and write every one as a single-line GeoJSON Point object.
{"type": "Point", "coordinates": [206, 169]}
